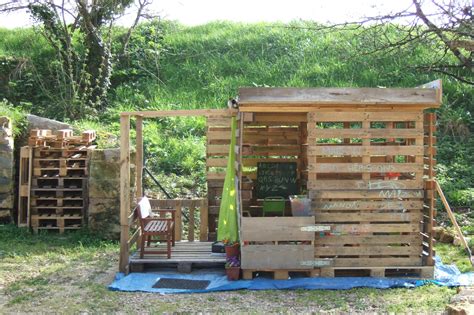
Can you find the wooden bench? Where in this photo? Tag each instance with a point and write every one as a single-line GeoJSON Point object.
{"type": "Point", "coordinates": [161, 227]}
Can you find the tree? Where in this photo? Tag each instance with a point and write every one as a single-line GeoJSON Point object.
{"type": "Point", "coordinates": [445, 25]}
{"type": "Point", "coordinates": [80, 32]}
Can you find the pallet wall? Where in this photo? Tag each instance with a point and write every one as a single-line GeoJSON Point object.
{"type": "Point", "coordinates": [272, 137]}
{"type": "Point", "coordinates": [430, 193]}
{"type": "Point", "coordinates": [217, 152]}
{"type": "Point", "coordinates": [365, 178]}
{"type": "Point", "coordinates": [267, 137]}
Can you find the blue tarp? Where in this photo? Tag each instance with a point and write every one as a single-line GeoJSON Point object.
{"type": "Point", "coordinates": [143, 282]}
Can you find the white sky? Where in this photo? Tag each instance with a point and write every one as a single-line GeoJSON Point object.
{"type": "Point", "coordinates": [195, 12]}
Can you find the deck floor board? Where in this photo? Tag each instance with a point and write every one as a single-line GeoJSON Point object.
{"type": "Point", "coordinates": [182, 252]}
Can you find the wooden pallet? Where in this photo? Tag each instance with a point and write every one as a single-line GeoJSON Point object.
{"type": "Point", "coordinates": [184, 257]}
{"type": "Point", "coordinates": [59, 182]}
{"type": "Point", "coordinates": [58, 185]}
{"type": "Point", "coordinates": [56, 202]}
{"type": "Point", "coordinates": [57, 192]}
{"type": "Point", "coordinates": [62, 139]}
{"type": "Point", "coordinates": [55, 153]}
{"type": "Point", "coordinates": [425, 272]}
{"type": "Point", "coordinates": [282, 274]}
{"type": "Point", "coordinates": [56, 222]}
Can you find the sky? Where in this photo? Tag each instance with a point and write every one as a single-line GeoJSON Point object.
{"type": "Point", "coordinates": [196, 12]}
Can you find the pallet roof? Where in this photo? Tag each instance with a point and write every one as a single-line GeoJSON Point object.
{"type": "Point", "coordinates": [307, 99]}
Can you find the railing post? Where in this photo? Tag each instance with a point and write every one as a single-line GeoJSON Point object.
{"type": "Point", "coordinates": [203, 226]}
{"type": "Point", "coordinates": [124, 191]}
{"type": "Point", "coordinates": [179, 221]}
{"type": "Point", "coordinates": [192, 209]}
{"type": "Point", "coordinates": [139, 156]}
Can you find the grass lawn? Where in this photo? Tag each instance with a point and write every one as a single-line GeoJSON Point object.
{"type": "Point", "coordinates": [70, 273]}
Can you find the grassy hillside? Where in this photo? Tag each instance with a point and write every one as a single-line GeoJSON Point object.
{"type": "Point", "coordinates": [175, 67]}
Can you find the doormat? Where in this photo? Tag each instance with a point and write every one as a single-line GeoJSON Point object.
{"type": "Point", "coordinates": [182, 284]}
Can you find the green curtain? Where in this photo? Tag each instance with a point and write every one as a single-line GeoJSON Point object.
{"type": "Point", "coordinates": [228, 227]}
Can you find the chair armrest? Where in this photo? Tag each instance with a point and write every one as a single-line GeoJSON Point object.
{"type": "Point", "coordinates": [164, 211]}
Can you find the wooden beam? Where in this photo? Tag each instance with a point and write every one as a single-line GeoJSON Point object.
{"type": "Point", "coordinates": [139, 156]}
{"type": "Point", "coordinates": [275, 97]}
{"type": "Point", "coordinates": [184, 112]}
{"type": "Point", "coordinates": [436, 85]}
{"type": "Point", "coordinates": [124, 191]}
{"type": "Point", "coordinates": [452, 218]}
{"type": "Point", "coordinates": [203, 227]}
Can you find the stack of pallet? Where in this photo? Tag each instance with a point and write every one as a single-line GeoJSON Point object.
{"type": "Point", "coordinates": [56, 185]}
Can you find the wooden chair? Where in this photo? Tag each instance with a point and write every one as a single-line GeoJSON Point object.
{"type": "Point", "coordinates": [155, 226]}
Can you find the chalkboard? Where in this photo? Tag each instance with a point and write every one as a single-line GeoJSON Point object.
{"type": "Point", "coordinates": [276, 179]}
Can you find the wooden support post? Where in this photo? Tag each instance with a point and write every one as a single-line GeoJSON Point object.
{"type": "Point", "coordinates": [139, 157]}
{"type": "Point", "coordinates": [427, 273]}
{"type": "Point", "coordinates": [419, 159]}
{"type": "Point", "coordinates": [430, 194]}
{"type": "Point", "coordinates": [185, 267]}
{"type": "Point", "coordinates": [240, 138]}
{"type": "Point", "coordinates": [178, 225]}
{"type": "Point", "coordinates": [366, 144]}
{"type": "Point", "coordinates": [315, 273]}
{"type": "Point", "coordinates": [347, 125]}
{"type": "Point", "coordinates": [203, 215]}
{"type": "Point", "coordinates": [377, 272]}
{"type": "Point", "coordinates": [192, 210]}
{"type": "Point", "coordinates": [312, 161]}
{"type": "Point", "coordinates": [327, 272]}
{"type": "Point", "coordinates": [247, 274]}
{"type": "Point", "coordinates": [124, 191]}
{"type": "Point", "coordinates": [280, 275]}
{"type": "Point", "coordinates": [26, 158]}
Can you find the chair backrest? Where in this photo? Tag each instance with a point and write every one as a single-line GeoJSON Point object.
{"type": "Point", "coordinates": [144, 208]}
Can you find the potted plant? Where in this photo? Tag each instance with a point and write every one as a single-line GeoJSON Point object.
{"type": "Point", "coordinates": [231, 248]}
{"type": "Point", "coordinates": [232, 268]}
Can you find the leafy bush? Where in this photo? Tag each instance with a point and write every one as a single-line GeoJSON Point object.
{"type": "Point", "coordinates": [16, 114]}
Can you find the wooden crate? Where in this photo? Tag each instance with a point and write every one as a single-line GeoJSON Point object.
{"type": "Point", "coordinates": [276, 243]}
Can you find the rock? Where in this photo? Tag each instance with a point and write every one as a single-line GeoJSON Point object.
{"type": "Point", "coordinates": [456, 310]}
{"type": "Point", "coordinates": [463, 302]}
{"type": "Point", "coordinates": [446, 236]}
{"type": "Point", "coordinates": [37, 122]}
{"type": "Point", "coordinates": [6, 168]}
{"type": "Point", "coordinates": [457, 241]}
{"type": "Point", "coordinates": [437, 232]}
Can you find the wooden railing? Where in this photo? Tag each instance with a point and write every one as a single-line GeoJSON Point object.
{"type": "Point", "coordinates": [182, 206]}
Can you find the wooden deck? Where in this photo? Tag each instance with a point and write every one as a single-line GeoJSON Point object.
{"type": "Point", "coordinates": [184, 256]}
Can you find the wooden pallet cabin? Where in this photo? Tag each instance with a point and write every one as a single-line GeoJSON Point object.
{"type": "Point", "coordinates": [364, 156]}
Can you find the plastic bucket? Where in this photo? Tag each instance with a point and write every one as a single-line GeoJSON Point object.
{"type": "Point", "coordinates": [300, 205]}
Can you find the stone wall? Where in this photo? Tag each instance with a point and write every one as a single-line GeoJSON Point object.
{"type": "Point", "coordinates": [104, 192]}
{"type": "Point", "coordinates": [6, 169]}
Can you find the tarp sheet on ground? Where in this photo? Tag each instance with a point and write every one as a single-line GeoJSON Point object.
{"type": "Point", "coordinates": [444, 276]}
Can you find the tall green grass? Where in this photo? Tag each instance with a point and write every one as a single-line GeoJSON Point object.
{"type": "Point", "coordinates": [172, 66]}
